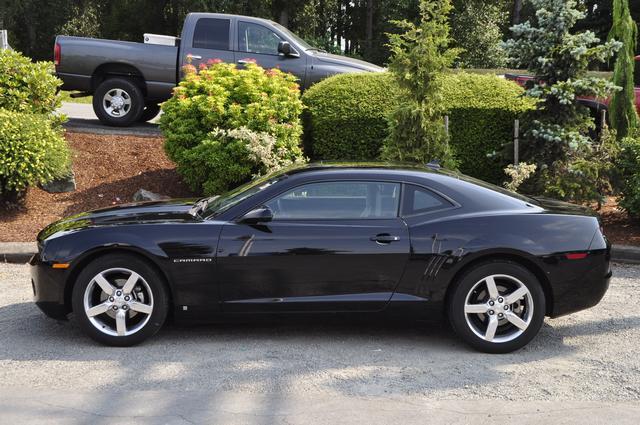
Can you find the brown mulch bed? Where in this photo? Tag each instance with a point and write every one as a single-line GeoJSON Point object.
{"type": "Point", "coordinates": [109, 170]}
{"type": "Point", "coordinates": [617, 225]}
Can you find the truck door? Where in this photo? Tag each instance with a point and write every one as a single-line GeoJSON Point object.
{"type": "Point", "coordinates": [260, 43]}
{"type": "Point", "coordinates": [209, 39]}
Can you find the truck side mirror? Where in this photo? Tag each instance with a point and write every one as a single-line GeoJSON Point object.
{"type": "Point", "coordinates": [284, 47]}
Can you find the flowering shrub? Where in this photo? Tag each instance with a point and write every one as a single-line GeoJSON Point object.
{"type": "Point", "coordinates": [226, 158]}
{"type": "Point", "coordinates": [264, 107]}
{"type": "Point", "coordinates": [518, 174]}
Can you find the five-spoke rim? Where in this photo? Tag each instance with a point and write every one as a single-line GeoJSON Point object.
{"type": "Point", "coordinates": [118, 302]}
{"type": "Point", "coordinates": [116, 103]}
{"type": "Point", "coordinates": [498, 308]}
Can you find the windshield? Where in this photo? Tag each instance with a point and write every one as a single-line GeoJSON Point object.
{"type": "Point", "coordinates": [298, 40]}
{"type": "Point", "coordinates": [490, 186]}
{"type": "Point", "coordinates": [219, 204]}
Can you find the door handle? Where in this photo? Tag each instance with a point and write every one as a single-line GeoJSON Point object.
{"type": "Point", "coordinates": [243, 61]}
{"type": "Point", "coordinates": [384, 238]}
{"type": "Point", "coordinates": [198, 57]}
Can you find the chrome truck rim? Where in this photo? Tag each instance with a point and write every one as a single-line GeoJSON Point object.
{"type": "Point", "coordinates": [118, 302]}
{"type": "Point", "coordinates": [116, 103]}
{"type": "Point", "coordinates": [498, 308]}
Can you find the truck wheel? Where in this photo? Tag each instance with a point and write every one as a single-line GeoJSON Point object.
{"type": "Point", "coordinates": [150, 112]}
{"type": "Point", "coordinates": [118, 102]}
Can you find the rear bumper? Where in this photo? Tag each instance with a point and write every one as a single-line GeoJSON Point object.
{"type": "Point", "coordinates": [580, 284]}
{"type": "Point", "coordinates": [74, 81]}
{"type": "Point", "coordinates": [48, 288]}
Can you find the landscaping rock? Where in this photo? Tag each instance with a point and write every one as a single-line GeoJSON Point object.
{"type": "Point", "coordinates": [64, 184]}
{"type": "Point", "coordinates": [145, 195]}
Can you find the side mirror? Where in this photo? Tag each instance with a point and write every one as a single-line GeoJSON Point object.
{"type": "Point", "coordinates": [258, 215]}
{"type": "Point", "coordinates": [284, 47]}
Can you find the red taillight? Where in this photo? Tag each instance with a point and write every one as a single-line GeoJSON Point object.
{"type": "Point", "coordinates": [56, 55]}
{"type": "Point", "coordinates": [576, 255]}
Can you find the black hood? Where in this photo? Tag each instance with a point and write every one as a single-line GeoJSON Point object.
{"type": "Point", "coordinates": [174, 210]}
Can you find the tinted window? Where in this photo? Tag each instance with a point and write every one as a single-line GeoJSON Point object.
{"type": "Point", "coordinates": [418, 200]}
{"type": "Point", "coordinates": [338, 200]}
{"type": "Point", "coordinates": [254, 38]}
{"type": "Point", "coordinates": [211, 33]}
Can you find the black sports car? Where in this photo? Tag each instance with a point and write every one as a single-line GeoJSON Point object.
{"type": "Point", "coordinates": [375, 239]}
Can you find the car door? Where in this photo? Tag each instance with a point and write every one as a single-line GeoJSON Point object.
{"type": "Point", "coordinates": [210, 40]}
{"type": "Point", "coordinates": [331, 246]}
{"type": "Point", "coordinates": [260, 44]}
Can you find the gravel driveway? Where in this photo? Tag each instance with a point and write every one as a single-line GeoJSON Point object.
{"type": "Point", "coordinates": [591, 356]}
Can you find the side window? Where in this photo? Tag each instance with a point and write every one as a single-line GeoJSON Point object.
{"type": "Point", "coordinates": [418, 200]}
{"type": "Point", "coordinates": [338, 200]}
{"type": "Point", "coordinates": [254, 38]}
{"type": "Point", "coordinates": [211, 33]}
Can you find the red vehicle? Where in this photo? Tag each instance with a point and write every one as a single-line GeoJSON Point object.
{"type": "Point", "coordinates": [596, 105]}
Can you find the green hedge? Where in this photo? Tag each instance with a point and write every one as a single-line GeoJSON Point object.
{"type": "Point", "coordinates": [346, 118]}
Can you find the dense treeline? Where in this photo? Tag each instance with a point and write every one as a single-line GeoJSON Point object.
{"type": "Point", "coordinates": [355, 27]}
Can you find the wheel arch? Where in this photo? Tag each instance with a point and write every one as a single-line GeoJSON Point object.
{"type": "Point", "coordinates": [92, 255]}
{"type": "Point", "coordinates": [114, 69]}
{"type": "Point", "coordinates": [517, 258]}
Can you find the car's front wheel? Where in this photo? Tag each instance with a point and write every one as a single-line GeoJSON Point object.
{"type": "Point", "coordinates": [497, 307]}
{"type": "Point", "coordinates": [120, 300]}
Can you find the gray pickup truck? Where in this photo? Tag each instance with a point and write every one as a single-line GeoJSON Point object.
{"type": "Point", "coordinates": [128, 80]}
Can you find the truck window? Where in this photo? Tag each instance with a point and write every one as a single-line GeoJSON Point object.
{"type": "Point", "coordinates": [254, 38]}
{"type": "Point", "coordinates": [211, 33]}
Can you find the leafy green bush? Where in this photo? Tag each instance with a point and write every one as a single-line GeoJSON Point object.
{"type": "Point", "coordinates": [31, 152]}
{"type": "Point", "coordinates": [225, 159]}
{"type": "Point", "coordinates": [346, 118]}
{"type": "Point", "coordinates": [222, 97]}
{"type": "Point", "coordinates": [629, 166]}
{"type": "Point", "coordinates": [26, 86]}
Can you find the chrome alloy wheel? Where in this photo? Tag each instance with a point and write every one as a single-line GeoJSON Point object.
{"type": "Point", "coordinates": [118, 302]}
{"type": "Point", "coordinates": [116, 103]}
{"type": "Point", "coordinates": [498, 308]}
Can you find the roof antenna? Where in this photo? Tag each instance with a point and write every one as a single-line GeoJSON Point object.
{"type": "Point", "coordinates": [434, 163]}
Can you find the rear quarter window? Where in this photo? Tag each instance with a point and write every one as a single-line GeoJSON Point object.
{"type": "Point", "coordinates": [211, 33]}
{"type": "Point", "coordinates": [419, 200]}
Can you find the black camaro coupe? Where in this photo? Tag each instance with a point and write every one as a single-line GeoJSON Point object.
{"type": "Point", "coordinates": [413, 242]}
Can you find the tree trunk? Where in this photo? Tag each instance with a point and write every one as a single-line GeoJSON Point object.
{"type": "Point", "coordinates": [517, 8]}
{"type": "Point", "coordinates": [369, 27]}
{"type": "Point", "coordinates": [284, 17]}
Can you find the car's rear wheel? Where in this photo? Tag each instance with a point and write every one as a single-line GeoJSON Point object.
{"type": "Point", "coordinates": [120, 300]}
{"type": "Point", "coordinates": [118, 102]}
{"type": "Point", "coordinates": [497, 307]}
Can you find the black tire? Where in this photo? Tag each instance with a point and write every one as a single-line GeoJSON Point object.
{"type": "Point", "coordinates": [151, 110]}
{"type": "Point", "coordinates": [473, 284]}
{"type": "Point", "coordinates": [129, 114]}
{"type": "Point", "coordinates": [151, 281]}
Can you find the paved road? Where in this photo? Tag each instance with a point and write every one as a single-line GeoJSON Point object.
{"type": "Point", "coordinates": [582, 368]}
{"type": "Point", "coordinates": [83, 119]}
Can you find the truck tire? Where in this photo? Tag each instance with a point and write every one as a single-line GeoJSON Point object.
{"type": "Point", "coordinates": [118, 102]}
{"type": "Point", "coordinates": [151, 110]}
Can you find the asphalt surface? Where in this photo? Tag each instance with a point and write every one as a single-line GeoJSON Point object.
{"type": "Point", "coordinates": [81, 118]}
{"type": "Point", "coordinates": [582, 368]}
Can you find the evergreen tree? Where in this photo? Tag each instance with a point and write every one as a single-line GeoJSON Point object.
{"type": "Point", "coordinates": [557, 136]}
{"type": "Point", "coordinates": [418, 55]}
{"type": "Point", "coordinates": [622, 109]}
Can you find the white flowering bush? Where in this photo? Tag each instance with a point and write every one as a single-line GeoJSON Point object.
{"type": "Point", "coordinates": [557, 134]}
{"type": "Point", "coordinates": [227, 158]}
{"type": "Point", "coordinates": [518, 174]}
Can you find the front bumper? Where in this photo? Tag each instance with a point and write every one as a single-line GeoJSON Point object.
{"type": "Point", "coordinates": [49, 288]}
